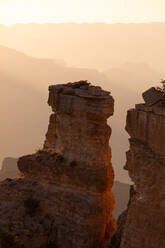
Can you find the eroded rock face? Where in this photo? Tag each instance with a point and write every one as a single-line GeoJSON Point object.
{"type": "Point", "coordinates": [70, 178]}
{"type": "Point", "coordinates": [40, 214]}
{"type": "Point", "coordinates": [145, 223]}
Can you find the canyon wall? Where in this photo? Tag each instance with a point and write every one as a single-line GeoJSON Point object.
{"type": "Point", "coordinates": [64, 198]}
{"type": "Point", "coordinates": [145, 221]}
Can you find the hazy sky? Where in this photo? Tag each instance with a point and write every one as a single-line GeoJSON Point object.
{"type": "Point", "coordinates": [109, 11]}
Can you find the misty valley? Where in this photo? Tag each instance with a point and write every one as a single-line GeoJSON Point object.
{"type": "Point", "coordinates": [97, 152]}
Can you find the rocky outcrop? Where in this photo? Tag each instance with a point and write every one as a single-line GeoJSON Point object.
{"type": "Point", "coordinates": [120, 190]}
{"type": "Point", "coordinates": [145, 222]}
{"type": "Point", "coordinates": [65, 198]}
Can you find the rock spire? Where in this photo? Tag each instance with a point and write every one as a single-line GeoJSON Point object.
{"type": "Point", "coordinates": [145, 222]}
{"type": "Point", "coordinates": [64, 198]}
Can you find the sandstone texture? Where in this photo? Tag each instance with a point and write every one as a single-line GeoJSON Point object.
{"type": "Point", "coordinates": [152, 96]}
{"type": "Point", "coordinates": [145, 222]}
{"type": "Point", "coordinates": [64, 199]}
{"type": "Point", "coordinates": [120, 190]}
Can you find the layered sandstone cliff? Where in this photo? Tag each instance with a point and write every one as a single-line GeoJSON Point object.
{"type": "Point", "coordinates": [65, 198]}
{"type": "Point", "coordinates": [145, 221]}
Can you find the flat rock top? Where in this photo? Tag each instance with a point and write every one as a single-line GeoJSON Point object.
{"type": "Point", "coordinates": [158, 109]}
{"type": "Point", "coordinates": [81, 89]}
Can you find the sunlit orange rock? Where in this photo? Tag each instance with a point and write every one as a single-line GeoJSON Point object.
{"type": "Point", "coordinates": [74, 166]}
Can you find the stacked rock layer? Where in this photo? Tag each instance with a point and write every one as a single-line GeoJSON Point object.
{"type": "Point", "coordinates": [145, 222]}
{"type": "Point", "coordinates": [72, 175]}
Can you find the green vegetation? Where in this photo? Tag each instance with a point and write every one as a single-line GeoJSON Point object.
{"type": "Point", "coordinates": [8, 240]}
{"type": "Point", "coordinates": [162, 88]}
{"type": "Point", "coordinates": [31, 205]}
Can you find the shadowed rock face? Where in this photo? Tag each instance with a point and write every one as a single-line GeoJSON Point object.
{"type": "Point", "coordinates": [145, 222]}
{"type": "Point", "coordinates": [120, 190]}
{"type": "Point", "coordinates": [70, 179]}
